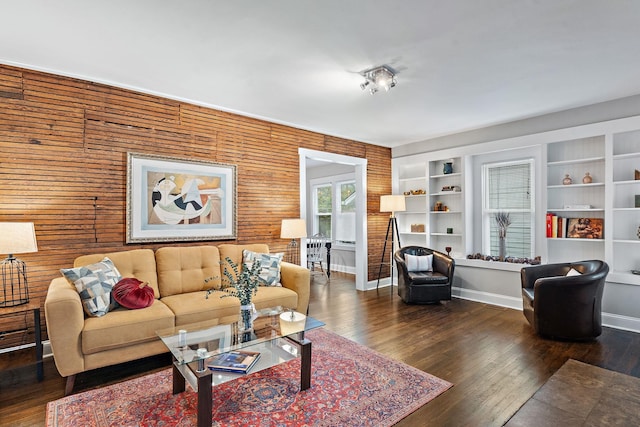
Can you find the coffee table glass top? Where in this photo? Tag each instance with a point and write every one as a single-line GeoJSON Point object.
{"type": "Point", "coordinates": [195, 341]}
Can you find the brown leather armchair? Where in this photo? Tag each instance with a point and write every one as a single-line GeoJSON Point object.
{"type": "Point", "coordinates": [564, 307]}
{"type": "Point", "coordinates": [424, 287]}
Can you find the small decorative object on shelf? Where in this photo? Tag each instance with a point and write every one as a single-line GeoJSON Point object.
{"type": "Point", "coordinates": [567, 180]}
{"type": "Point", "coordinates": [448, 167]}
{"type": "Point", "coordinates": [638, 232]}
{"type": "Point", "coordinates": [438, 207]}
{"type": "Point", "coordinates": [449, 230]}
{"type": "Point", "coordinates": [417, 192]}
{"type": "Point", "coordinates": [637, 200]}
{"type": "Point", "coordinates": [637, 175]}
{"type": "Point", "coordinates": [406, 193]}
{"type": "Point", "coordinates": [587, 178]}
{"type": "Point", "coordinates": [448, 249]}
{"type": "Point", "coordinates": [417, 228]}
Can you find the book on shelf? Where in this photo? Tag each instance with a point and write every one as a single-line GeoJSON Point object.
{"type": "Point", "coordinates": [240, 361]}
{"type": "Point", "coordinates": [556, 226]}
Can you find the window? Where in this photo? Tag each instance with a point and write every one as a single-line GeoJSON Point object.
{"type": "Point", "coordinates": [323, 207]}
{"type": "Point", "coordinates": [508, 187]}
{"type": "Point", "coordinates": [334, 207]}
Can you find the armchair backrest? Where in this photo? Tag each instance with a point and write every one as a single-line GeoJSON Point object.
{"type": "Point", "coordinates": [442, 263]}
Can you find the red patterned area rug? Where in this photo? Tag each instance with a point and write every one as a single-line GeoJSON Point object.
{"type": "Point", "coordinates": [351, 385]}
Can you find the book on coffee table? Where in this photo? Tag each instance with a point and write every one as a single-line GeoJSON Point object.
{"type": "Point", "coordinates": [240, 361]}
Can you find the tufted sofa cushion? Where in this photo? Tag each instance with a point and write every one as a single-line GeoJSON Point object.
{"type": "Point", "coordinates": [184, 269]}
{"type": "Point", "coordinates": [138, 263]}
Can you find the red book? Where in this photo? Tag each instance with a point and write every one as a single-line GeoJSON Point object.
{"type": "Point", "coordinates": [549, 215]}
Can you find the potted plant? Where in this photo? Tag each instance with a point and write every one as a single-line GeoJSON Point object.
{"type": "Point", "coordinates": [242, 284]}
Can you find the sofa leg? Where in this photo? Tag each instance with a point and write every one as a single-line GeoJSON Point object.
{"type": "Point", "coordinates": [68, 388]}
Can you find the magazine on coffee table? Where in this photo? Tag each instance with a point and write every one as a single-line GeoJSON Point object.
{"type": "Point", "coordinates": [240, 361]}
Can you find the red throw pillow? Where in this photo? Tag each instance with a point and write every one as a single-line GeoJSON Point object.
{"type": "Point", "coordinates": [132, 293]}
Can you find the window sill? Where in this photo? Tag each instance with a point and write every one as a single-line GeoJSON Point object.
{"type": "Point", "coordinates": [491, 265]}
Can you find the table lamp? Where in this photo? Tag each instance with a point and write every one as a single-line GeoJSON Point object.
{"type": "Point", "coordinates": [293, 229]}
{"type": "Point", "coordinates": [15, 238]}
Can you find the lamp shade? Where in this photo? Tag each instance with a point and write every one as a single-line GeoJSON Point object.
{"type": "Point", "coordinates": [293, 228]}
{"type": "Point", "coordinates": [392, 204]}
{"type": "Point", "coordinates": [17, 238]}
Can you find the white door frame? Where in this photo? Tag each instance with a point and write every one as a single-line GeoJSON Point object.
{"type": "Point", "coordinates": [360, 165]}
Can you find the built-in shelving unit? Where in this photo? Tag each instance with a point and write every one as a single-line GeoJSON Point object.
{"type": "Point", "coordinates": [429, 176]}
{"type": "Point", "coordinates": [446, 226]}
{"type": "Point", "coordinates": [610, 155]}
{"type": "Point", "coordinates": [413, 179]}
{"type": "Point", "coordinates": [625, 214]}
{"type": "Point", "coordinates": [574, 159]}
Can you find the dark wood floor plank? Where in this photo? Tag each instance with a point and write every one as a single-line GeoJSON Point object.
{"type": "Point", "coordinates": [489, 353]}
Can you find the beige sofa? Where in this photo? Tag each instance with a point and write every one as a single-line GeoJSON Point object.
{"type": "Point", "coordinates": [176, 274]}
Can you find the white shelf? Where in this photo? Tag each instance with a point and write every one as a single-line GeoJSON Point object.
{"type": "Point", "coordinates": [445, 175]}
{"type": "Point", "coordinates": [593, 184]}
{"type": "Point", "coordinates": [413, 233]}
{"type": "Point", "coordinates": [573, 239]}
{"type": "Point", "coordinates": [446, 193]}
{"type": "Point", "coordinates": [416, 178]}
{"type": "Point", "coordinates": [411, 212]}
{"type": "Point", "coordinates": [575, 210]}
{"type": "Point", "coordinates": [447, 234]}
{"type": "Point", "coordinates": [627, 241]}
{"type": "Point", "coordinates": [575, 161]}
{"type": "Point", "coordinates": [627, 182]}
{"type": "Point", "coordinates": [626, 156]}
{"type": "Point", "coordinates": [445, 212]}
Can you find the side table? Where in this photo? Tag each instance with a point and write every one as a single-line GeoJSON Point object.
{"type": "Point", "coordinates": [33, 305]}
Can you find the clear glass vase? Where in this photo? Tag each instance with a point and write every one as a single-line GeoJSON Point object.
{"type": "Point", "coordinates": [247, 315]}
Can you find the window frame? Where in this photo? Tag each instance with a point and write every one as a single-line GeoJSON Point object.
{"type": "Point", "coordinates": [487, 213]}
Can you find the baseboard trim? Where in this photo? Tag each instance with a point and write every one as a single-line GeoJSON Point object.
{"type": "Point", "coordinates": [487, 298]}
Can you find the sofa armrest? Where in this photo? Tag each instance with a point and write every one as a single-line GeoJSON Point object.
{"type": "Point", "coordinates": [65, 321]}
{"type": "Point", "coordinates": [298, 279]}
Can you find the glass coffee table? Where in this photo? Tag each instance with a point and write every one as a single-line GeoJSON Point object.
{"type": "Point", "coordinates": [278, 335]}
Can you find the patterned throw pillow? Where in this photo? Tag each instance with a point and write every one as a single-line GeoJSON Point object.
{"type": "Point", "coordinates": [269, 266]}
{"type": "Point", "coordinates": [94, 283]}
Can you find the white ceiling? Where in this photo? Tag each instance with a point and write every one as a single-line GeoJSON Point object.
{"type": "Point", "coordinates": [463, 64]}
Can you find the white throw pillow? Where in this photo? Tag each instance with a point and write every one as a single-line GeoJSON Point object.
{"type": "Point", "coordinates": [419, 262]}
{"type": "Point", "coordinates": [573, 272]}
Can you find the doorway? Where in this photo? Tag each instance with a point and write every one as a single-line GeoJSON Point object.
{"type": "Point", "coordinates": [360, 173]}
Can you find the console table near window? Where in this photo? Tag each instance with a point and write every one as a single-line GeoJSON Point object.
{"type": "Point", "coordinates": [33, 305]}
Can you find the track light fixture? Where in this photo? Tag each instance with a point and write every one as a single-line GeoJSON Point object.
{"type": "Point", "coordinates": [382, 77]}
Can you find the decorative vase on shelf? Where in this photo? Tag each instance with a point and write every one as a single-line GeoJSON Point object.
{"type": "Point", "coordinates": [567, 180]}
{"type": "Point", "coordinates": [638, 232]}
{"type": "Point", "coordinates": [502, 248]}
{"type": "Point", "coordinates": [448, 168]}
{"type": "Point", "coordinates": [587, 178]}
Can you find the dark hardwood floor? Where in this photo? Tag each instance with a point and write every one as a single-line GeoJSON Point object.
{"type": "Point", "coordinates": [489, 353]}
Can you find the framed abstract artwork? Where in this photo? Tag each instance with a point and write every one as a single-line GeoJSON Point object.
{"type": "Point", "coordinates": [173, 199]}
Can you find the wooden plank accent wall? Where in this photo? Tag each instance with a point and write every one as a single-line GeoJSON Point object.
{"type": "Point", "coordinates": [64, 144]}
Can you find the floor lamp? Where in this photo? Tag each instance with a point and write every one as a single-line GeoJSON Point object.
{"type": "Point", "coordinates": [15, 238]}
{"type": "Point", "coordinates": [293, 229]}
{"type": "Point", "coordinates": [391, 204]}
